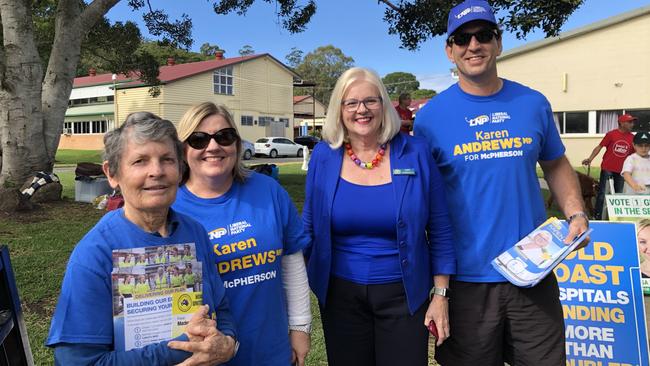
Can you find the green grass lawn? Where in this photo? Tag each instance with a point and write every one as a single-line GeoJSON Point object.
{"type": "Point", "coordinates": [41, 241]}
{"type": "Point", "coordinates": [65, 157]}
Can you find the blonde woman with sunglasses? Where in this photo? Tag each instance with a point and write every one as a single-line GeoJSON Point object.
{"type": "Point", "coordinates": [256, 235]}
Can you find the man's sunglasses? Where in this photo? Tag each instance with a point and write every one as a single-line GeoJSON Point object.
{"type": "Point", "coordinates": [463, 39]}
{"type": "Point", "coordinates": [201, 140]}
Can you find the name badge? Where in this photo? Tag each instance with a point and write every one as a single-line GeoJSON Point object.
{"type": "Point", "coordinates": [403, 171]}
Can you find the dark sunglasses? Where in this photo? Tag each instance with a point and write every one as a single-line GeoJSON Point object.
{"type": "Point", "coordinates": [463, 39]}
{"type": "Point", "coordinates": [201, 140]}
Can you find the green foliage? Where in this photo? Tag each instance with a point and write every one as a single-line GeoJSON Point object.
{"type": "Point", "coordinates": [423, 94]}
{"type": "Point", "coordinates": [176, 34]}
{"type": "Point", "coordinates": [161, 52]}
{"type": "Point", "coordinates": [246, 50]}
{"type": "Point", "coordinates": [208, 49]}
{"type": "Point", "coordinates": [400, 82]}
{"type": "Point", "coordinates": [294, 17]}
{"type": "Point", "coordinates": [43, 13]}
{"type": "Point", "coordinates": [417, 21]}
{"type": "Point", "coordinates": [323, 66]}
{"type": "Point", "coordinates": [294, 58]}
{"type": "Point", "coordinates": [99, 49]}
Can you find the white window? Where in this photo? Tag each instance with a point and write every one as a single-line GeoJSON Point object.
{"type": "Point", "coordinates": [222, 81]}
{"type": "Point", "coordinates": [98, 127]}
{"type": "Point", "coordinates": [607, 120]}
{"type": "Point", "coordinates": [265, 121]}
{"type": "Point", "coordinates": [246, 120]}
{"type": "Point", "coordinates": [576, 122]}
{"type": "Point", "coordinates": [643, 122]}
{"type": "Point", "coordinates": [81, 127]}
{"type": "Point", "coordinates": [572, 122]}
{"type": "Point", "coordinates": [285, 121]}
{"type": "Point", "coordinates": [85, 127]}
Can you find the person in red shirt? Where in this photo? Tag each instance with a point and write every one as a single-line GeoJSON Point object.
{"type": "Point", "coordinates": [618, 145]}
{"type": "Point", "coordinates": [405, 113]}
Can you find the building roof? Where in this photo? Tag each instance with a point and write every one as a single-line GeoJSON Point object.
{"type": "Point", "coordinates": [577, 32]}
{"type": "Point", "coordinates": [90, 110]}
{"type": "Point", "coordinates": [300, 98]}
{"type": "Point", "coordinates": [172, 73]}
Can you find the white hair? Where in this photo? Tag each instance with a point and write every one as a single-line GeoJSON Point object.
{"type": "Point", "coordinates": [334, 131]}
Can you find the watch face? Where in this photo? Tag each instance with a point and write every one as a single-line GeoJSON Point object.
{"type": "Point", "coordinates": [440, 291]}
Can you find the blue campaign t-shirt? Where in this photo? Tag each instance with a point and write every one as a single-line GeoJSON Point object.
{"type": "Point", "coordinates": [250, 227]}
{"type": "Point", "coordinates": [486, 149]}
{"type": "Point", "coordinates": [84, 313]}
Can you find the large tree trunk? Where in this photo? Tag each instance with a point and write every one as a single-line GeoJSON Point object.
{"type": "Point", "coordinates": [32, 106]}
{"type": "Point", "coordinates": [21, 118]}
{"type": "Point", "coordinates": [72, 25]}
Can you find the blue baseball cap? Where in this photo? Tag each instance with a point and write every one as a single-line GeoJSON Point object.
{"type": "Point", "coordinates": [468, 11]}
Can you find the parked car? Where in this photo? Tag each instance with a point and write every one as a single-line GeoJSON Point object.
{"type": "Point", "coordinates": [276, 146]}
{"type": "Point", "coordinates": [309, 141]}
{"type": "Point", "coordinates": [248, 149]}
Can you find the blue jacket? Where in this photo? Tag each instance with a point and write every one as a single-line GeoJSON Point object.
{"type": "Point", "coordinates": [424, 232]}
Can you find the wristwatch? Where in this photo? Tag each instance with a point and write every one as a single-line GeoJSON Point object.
{"type": "Point", "coordinates": [305, 328]}
{"type": "Point", "coordinates": [578, 214]}
{"type": "Point", "coordinates": [236, 346]}
{"type": "Point", "coordinates": [441, 291]}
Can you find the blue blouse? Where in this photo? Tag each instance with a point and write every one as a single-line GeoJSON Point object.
{"type": "Point", "coordinates": [364, 237]}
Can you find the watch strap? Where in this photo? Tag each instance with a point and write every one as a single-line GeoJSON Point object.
{"type": "Point", "coordinates": [441, 291]}
{"type": "Point", "coordinates": [578, 214]}
{"type": "Point", "coordinates": [305, 328]}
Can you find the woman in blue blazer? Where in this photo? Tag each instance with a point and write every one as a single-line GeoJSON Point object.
{"type": "Point", "coordinates": [381, 235]}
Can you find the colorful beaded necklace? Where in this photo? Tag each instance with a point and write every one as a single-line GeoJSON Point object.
{"type": "Point", "coordinates": [363, 164]}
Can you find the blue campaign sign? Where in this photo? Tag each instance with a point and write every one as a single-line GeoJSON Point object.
{"type": "Point", "coordinates": [600, 290]}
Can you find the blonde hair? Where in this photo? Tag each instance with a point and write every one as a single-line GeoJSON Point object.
{"type": "Point", "coordinates": [190, 122]}
{"type": "Point", "coordinates": [334, 132]}
{"type": "Point", "coordinates": [641, 225]}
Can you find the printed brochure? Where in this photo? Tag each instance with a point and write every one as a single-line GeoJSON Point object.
{"type": "Point", "coordinates": [534, 256]}
{"type": "Point", "coordinates": [155, 292]}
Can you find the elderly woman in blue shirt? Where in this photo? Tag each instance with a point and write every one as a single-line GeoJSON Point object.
{"type": "Point", "coordinates": [142, 158]}
{"type": "Point", "coordinates": [381, 235]}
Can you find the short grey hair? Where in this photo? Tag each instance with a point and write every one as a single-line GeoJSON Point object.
{"type": "Point", "coordinates": [141, 127]}
{"type": "Point", "coordinates": [334, 131]}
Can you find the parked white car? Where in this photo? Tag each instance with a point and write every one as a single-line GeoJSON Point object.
{"type": "Point", "coordinates": [277, 146]}
{"type": "Point", "coordinates": [247, 149]}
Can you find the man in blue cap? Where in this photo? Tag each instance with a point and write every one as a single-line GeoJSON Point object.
{"type": "Point", "coordinates": [487, 134]}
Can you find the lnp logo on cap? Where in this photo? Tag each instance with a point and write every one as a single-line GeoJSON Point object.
{"type": "Point", "coordinates": [471, 9]}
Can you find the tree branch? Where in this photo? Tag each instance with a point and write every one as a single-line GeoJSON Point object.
{"type": "Point", "coordinates": [94, 12]}
{"type": "Point", "coordinates": [150, 7]}
{"type": "Point", "coordinates": [389, 4]}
